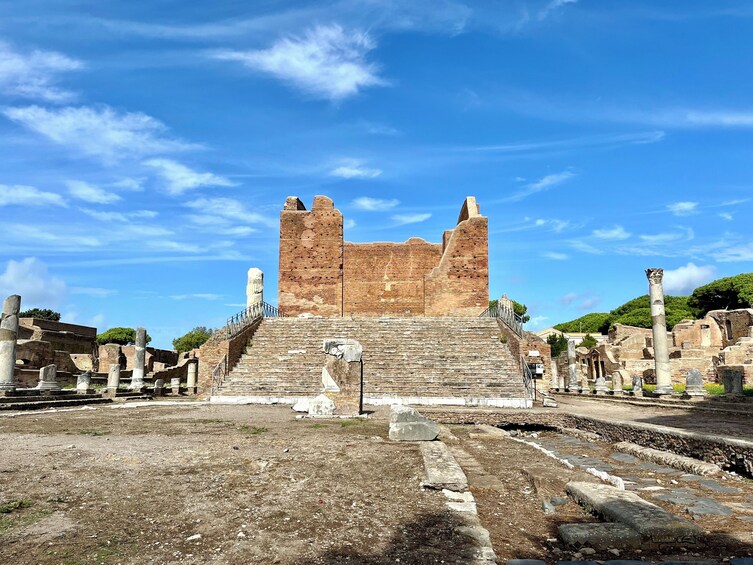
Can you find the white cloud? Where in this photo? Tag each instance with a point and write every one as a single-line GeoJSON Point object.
{"type": "Point", "coordinates": [684, 280]}
{"type": "Point", "coordinates": [33, 75]}
{"type": "Point", "coordinates": [544, 183]}
{"type": "Point", "coordinates": [349, 224]}
{"type": "Point", "coordinates": [568, 299]}
{"type": "Point", "coordinates": [90, 193]}
{"type": "Point", "coordinates": [726, 216]}
{"type": "Point", "coordinates": [553, 6]}
{"type": "Point", "coordinates": [589, 302]}
{"type": "Point", "coordinates": [200, 296]}
{"type": "Point", "coordinates": [403, 219]}
{"type": "Point", "coordinates": [327, 62]}
{"type": "Point", "coordinates": [98, 132]}
{"type": "Point", "coordinates": [682, 208]}
{"type": "Point", "coordinates": [352, 169]}
{"type": "Point", "coordinates": [580, 245]}
{"type": "Point", "coordinates": [180, 178]}
{"type": "Point", "coordinates": [374, 204]}
{"type": "Point", "coordinates": [134, 185]}
{"type": "Point", "coordinates": [661, 238]}
{"type": "Point", "coordinates": [19, 195]}
{"type": "Point", "coordinates": [720, 118]}
{"type": "Point", "coordinates": [742, 252]}
{"type": "Point", "coordinates": [93, 291]}
{"type": "Point", "coordinates": [555, 256]}
{"type": "Point", "coordinates": [30, 278]}
{"type": "Point", "coordinates": [119, 216]}
{"type": "Point", "coordinates": [617, 233]}
{"type": "Point", "coordinates": [220, 211]}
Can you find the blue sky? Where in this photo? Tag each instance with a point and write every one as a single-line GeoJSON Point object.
{"type": "Point", "coordinates": [147, 148]}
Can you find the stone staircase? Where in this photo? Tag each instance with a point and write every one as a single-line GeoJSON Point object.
{"type": "Point", "coordinates": [417, 360]}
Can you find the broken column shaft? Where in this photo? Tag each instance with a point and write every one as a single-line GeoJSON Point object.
{"type": "Point", "coordinates": [8, 337]}
{"type": "Point", "coordinates": [139, 360]}
{"type": "Point", "coordinates": [659, 331]}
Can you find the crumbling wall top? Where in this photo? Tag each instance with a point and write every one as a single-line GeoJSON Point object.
{"type": "Point", "coordinates": [293, 203]}
{"type": "Point", "coordinates": [323, 203]}
{"type": "Point", "coordinates": [470, 209]}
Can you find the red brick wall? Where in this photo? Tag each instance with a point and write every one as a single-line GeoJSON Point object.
{"type": "Point", "coordinates": [387, 278]}
{"type": "Point", "coordinates": [459, 286]}
{"type": "Point", "coordinates": [322, 275]}
{"type": "Point", "coordinates": [311, 258]}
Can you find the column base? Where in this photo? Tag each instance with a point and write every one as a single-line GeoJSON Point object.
{"type": "Point", "coordinates": [663, 391]}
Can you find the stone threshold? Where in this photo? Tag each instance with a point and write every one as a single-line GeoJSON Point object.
{"type": "Point", "coordinates": [385, 401]}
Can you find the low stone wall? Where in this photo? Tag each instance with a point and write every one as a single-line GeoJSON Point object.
{"type": "Point", "coordinates": [728, 453]}
{"type": "Point", "coordinates": [215, 348]}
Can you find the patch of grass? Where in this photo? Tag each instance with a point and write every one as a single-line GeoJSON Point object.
{"type": "Point", "coordinates": [316, 426]}
{"type": "Point", "coordinates": [93, 432]}
{"type": "Point", "coordinates": [12, 520]}
{"type": "Point", "coordinates": [348, 423]}
{"type": "Point", "coordinates": [253, 430]}
{"type": "Point", "coordinates": [9, 507]}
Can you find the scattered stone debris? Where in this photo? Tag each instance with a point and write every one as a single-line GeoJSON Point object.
{"type": "Point", "coordinates": [407, 424]}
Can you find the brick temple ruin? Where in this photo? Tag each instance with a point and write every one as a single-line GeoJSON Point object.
{"type": "Point", "coordinates": [321, 274]}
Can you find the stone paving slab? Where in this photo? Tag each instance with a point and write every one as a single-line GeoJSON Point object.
{"type": "Point", "coordinates": [442, 470]}
{"type": "Point", "coordinates": [651, 522]}
{"type": "Point", "coordinates": [687, 464]}
{"type": "Point", "coordinates": [606, 535]}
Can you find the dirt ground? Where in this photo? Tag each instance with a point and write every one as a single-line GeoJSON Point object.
{"type": "Point", "coordinates": [253, 484]}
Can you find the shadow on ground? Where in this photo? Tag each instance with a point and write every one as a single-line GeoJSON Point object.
{"type": "Point", "coordinates": [431, 539]}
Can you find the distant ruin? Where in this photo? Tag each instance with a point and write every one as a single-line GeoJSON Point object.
{"type": "Point", "coordinates": [324, 275]}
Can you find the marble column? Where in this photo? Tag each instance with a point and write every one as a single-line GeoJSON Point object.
{"type": "Point", "coordinates": [113, 379]}
{"type": "Point", "coordinates": [8, 337]}
{"type": "Point", "coordinates": [192, 372]}
{"type": "Point", "coordinates": [139, 360]}
{"type": "Point", "coordinates": [662, 368]}
{"type": "Point", "coordinates": [48, 379]}
{"type": "Point", "coordinates": [254, 290]}
{"type": "Point", "coordinates": [572, 368]}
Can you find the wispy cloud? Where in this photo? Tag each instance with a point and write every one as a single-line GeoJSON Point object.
{"type": "Point", "coordinates": [33, 75]}
{"type": "Point", "coordinates": [585, 247]}
{"type": "Point", "coordinates": [96, 292]}
{"type": "Point", "coordinates": [98, 132]}
{"type": "Point", "coordinates": [354, 169]}
{"type": "Point", "coordinates": [374, 204]}
{"type": "Point", "coordinates": [349, 223]}
{"type": "Point", "coordinates": [553, 6]}
{"type": "Point", "coordinates": [683, 280]}
{"type": "Point", "coordinates": [735, 253]}
{"type": "Point", "coordinates": [683, 208]}
{"type": "Point", "coordinates": [568, 143]}
{"type": "Point", "coordinates": [90, 193]}
{"type": "Point", "coordinates": [179, 178]}
{"type": "Point", "coordinates": [667, 237]}
{"type": "Point", "coordinates": [568, 298]}
{"type": "Point", "coordinates": [544, 183]}
{"type": "Point", "coordinates": [225, 211]}
{"type": "Point", "coordinates": [19, 195]}
{"type": "Point", "coordinates": [726, 216]}
{"type": "Point", "coordinates": [615, 233]}
{"type": "Point", "coordinates": [403, 219]}
{"type": "Point", "coordinates": [555, 256]}
{"type": "Point", "coordinates": [327, 62]}
{"type": "Point", "coordinates": [199, 296]}
{"type": "Point", "coordinates": [119, 216]}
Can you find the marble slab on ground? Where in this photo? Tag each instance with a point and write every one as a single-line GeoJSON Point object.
{"type": "Point", "coordinates": [650, 521]}
{"type": "Point", "coordinates": [442, 470]}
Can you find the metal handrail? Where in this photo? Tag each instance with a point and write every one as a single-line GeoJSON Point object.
{"type": "Point", "coordinates": [238, 322]}
{"type": "Point", "coordinates": [218, 374]}
{"type": "Point", "coordinates": [507, 315]}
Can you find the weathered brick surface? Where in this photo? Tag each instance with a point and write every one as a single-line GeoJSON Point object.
{"type": "Point", "coordinates": [387, 278]}
{"type": "Point", "coordinates": [215, 348]}
{"type": "Point", "coordinates": [311, 259]}
{"type": "Point", "coordinates": [322, 275]}
{"type": "Point", "coordinates": [459, 286]}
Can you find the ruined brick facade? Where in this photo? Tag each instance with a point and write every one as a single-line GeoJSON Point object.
{"type": "Point", "coordinates": [323, 275]}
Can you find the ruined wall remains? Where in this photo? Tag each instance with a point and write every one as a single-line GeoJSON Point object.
{"type": "Point", "coordinates": [311, 258]}
{"type": "Point", "coordinates": [387, 278]}
{"type": "Point", "coordinates": [459, 286]}
{"type": "Point", "coordinates": [322, 275]}
{"type": "Point", "coordinates": [63, 337]}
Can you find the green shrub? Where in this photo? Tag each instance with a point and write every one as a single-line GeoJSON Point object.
{"type": "Point", "coordinates": [121, 336]}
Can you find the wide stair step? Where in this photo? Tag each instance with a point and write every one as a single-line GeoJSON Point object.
{"type": "Point", "coordinates": [409, 357]}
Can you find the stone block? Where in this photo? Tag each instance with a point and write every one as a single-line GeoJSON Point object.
{"type": "Point", "coordinates": [321, 406]}
{"type": "Point", "coordinates": [48, 379]}
{"type": "Point", "coordinates": [442, 470]}
{"type": "Point", "coordinates": [733, 382]}
{"type": "Point", "coordinates": [606, 535]}
{"type": "Point", "coordinates": [652, 523]}
{"type": "Point", "coordinates": [407, 424]}
{"type": "Point", "coordinates": [83, 382]}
